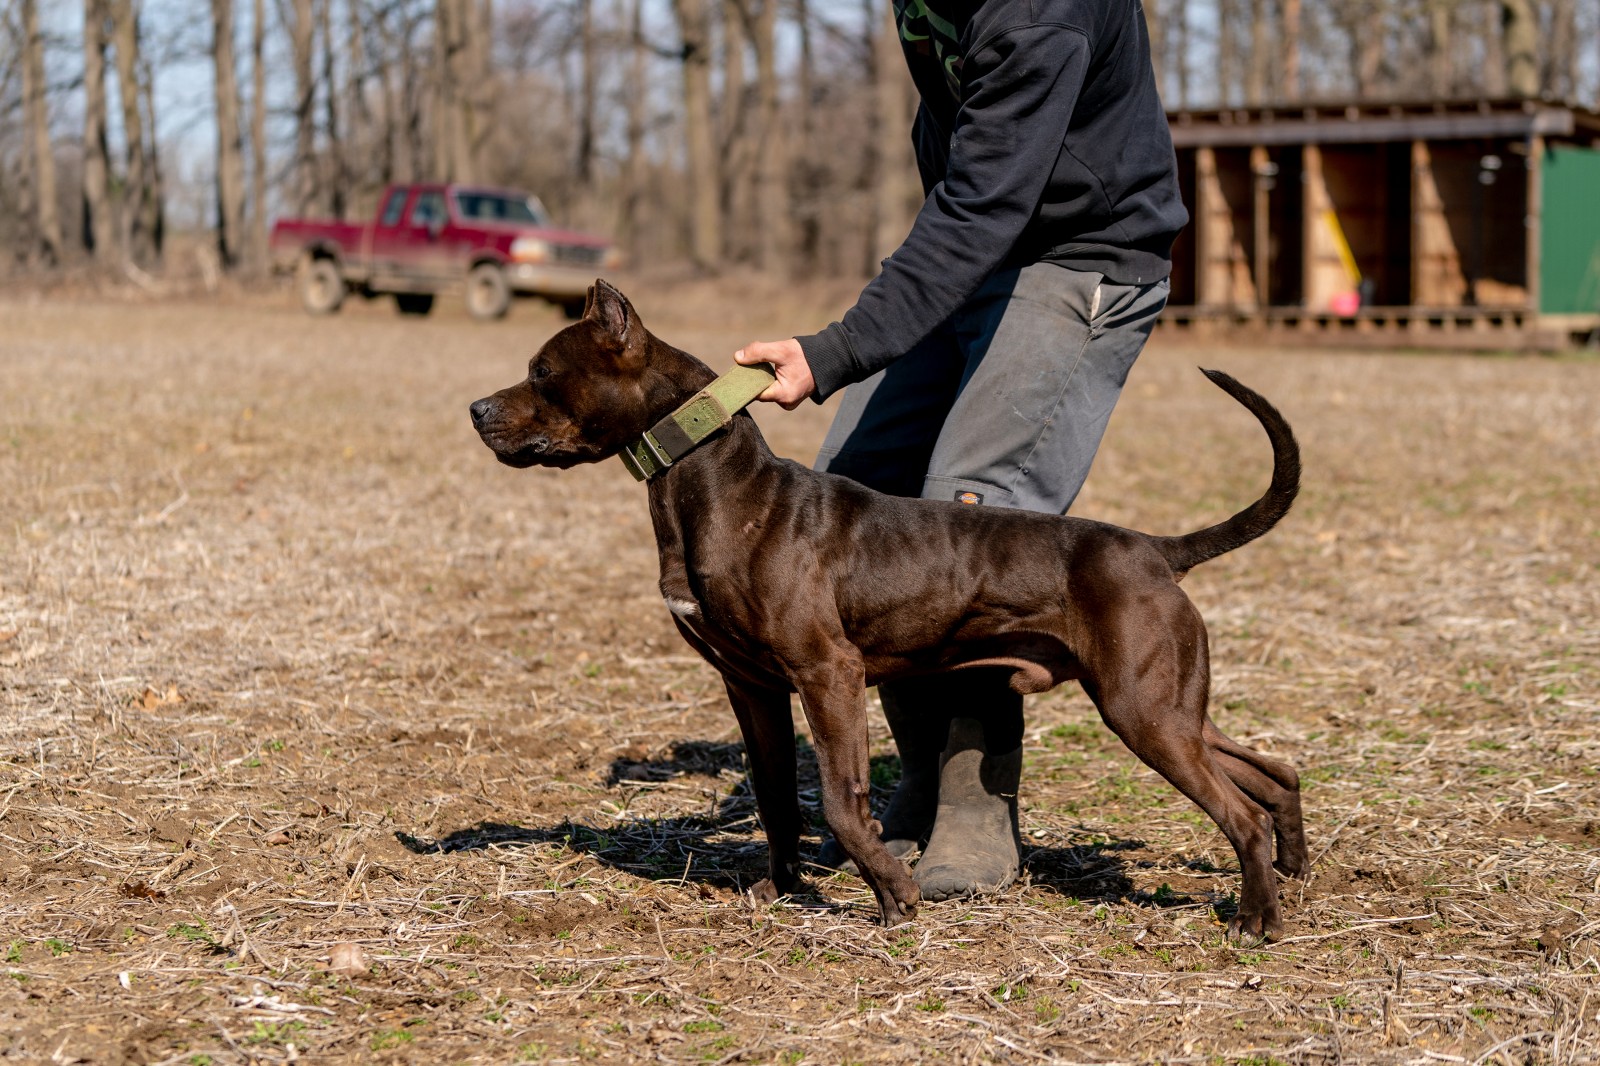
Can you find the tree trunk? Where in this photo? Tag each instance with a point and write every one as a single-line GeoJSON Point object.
{"type": "Point", "coordinates": [634, 176]}
{"type": "Point", "coordinates": [705, 222]}
{"type": "Point", "coordinates": [230, 150]}
{"type": "Point", "coordinates": [733, 130]}
{"type": "Point", "coordinates": [99, 232]}
{"type": "Point", "coordinates": [445, 45]}
{"type": "Point", "coordinates": [1227, 51]}
{"type": "Point", "coordinates": [1491, 81]}
{"type": "Point", "coordinates": [1521, 28]}
{"type": "Point", "coordinates": [301, 29]}
{"type": "Point", "coordinates": [1156, 30]}
{"type": "Point", "coordinates": [135, 189]}
{"type": "Point", "coordinates": [46, 212]}
{"type": "Point", "coordinates": [583, 161]}
{"type": "Point", "coordinates": [334, 165]}
{"type": "Point", "coordinates": [804, 174]}
{"type": "Point", "coordinates": [1255, 90]}
{"type": "Point", "coordinates": [1180, 49]}
{"type": "Point", "coordinates": [155, 206]}
{"type": "Point", "coordinates": [258, 137]}
{"type": "Point", "coordinates": [1289, 88]}
{"type": "Point", "coordinates": [894, 109]}
{"type": "Point", "coordinates": [1561, 74]}
{"type": "Point", "coordinates": [1441, 75]}
{"type": "Point", "coordinates": [772, 230]}
{"type": "Point", "coordinates": [357, 113]}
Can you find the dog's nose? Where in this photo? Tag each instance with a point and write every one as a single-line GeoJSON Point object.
{"type": "Point", "coordinates": [481, 411]}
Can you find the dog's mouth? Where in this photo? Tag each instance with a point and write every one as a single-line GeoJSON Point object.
{"type": "Point", "coordinates": [521, 452]}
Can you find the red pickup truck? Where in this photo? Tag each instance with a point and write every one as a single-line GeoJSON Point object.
{"type": "Point", "coordinates": [426, 238]}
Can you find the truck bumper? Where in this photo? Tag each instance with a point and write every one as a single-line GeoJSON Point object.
{"type": "Point", "coordinates": [541, 279]}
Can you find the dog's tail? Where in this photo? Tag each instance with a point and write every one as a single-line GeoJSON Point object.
{"type": "Point", "coordinates": [1190, 550]}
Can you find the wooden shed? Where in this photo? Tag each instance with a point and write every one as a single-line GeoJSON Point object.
{"type": "Point", "coordinates": [1462, 223]}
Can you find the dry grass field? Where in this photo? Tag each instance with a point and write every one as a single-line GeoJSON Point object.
{"type": "Point", "coordinates": [325, 738]}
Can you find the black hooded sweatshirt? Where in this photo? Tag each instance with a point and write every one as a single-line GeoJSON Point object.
{"type": "Point", "coordinates": [1040, 137]}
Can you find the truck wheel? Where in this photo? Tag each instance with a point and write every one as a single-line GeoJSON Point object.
{"type": "Point", "coordinates": [321, 286]}
{"type": "Point", "coordinates": [488, 294]}
{"type": "Point", "coordinates": [573, 309]}
{"type": "Point", "coordinates": [413, 303]}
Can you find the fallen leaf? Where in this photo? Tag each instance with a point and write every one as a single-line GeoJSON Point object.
{"type": "Point", "coordinates": [140, 890]}
{"type": "Point", "coordinates": [150, 699]}
{"type": "Point", "coordinates": [347, 959]}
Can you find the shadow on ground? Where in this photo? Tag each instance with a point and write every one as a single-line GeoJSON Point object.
{"type": "Point", "coordinates": [721, 848]}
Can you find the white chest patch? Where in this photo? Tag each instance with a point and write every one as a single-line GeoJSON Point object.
{"type": "Point", "coordinates": [682, 608]}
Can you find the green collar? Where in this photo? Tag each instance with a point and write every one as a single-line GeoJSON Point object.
{"type": "Point", "coordinates": [706, 412]}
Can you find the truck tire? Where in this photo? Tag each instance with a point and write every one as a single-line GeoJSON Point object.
{"type": "Point", "coordinates": [413, 303]}
{"type": "Point", "coordinates": [574, 308]}
{"type": "Point", "coordinates": [321, 286]}
{"type": "Point", "coordinates": [488, 292]}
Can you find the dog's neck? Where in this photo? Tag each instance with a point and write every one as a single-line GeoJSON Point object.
{"type": "Point", "coordinates": [670, 378]}
{"type": "Point", "coordinates": [686, 410]}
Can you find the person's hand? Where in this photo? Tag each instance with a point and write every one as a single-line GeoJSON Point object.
{"type": "Point", "coordinates": [794, 382]}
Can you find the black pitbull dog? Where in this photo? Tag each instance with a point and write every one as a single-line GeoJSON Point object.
{"type": "Point", "coordinates": [787, 580]}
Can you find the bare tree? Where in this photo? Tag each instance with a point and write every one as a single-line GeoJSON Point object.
{"type": "Point", "coordinates": [46, 214]}
{"type": "Point", "coordinates": [1441, 74]}
{"type": "Point", "coordinates": [99, 231]}
{"type": "Point", "coordinates": [258, 134]}
{"type": "Point", "coordinates": [335, 178]}
{"type": "Point", "coordinates": [461, 73]}
{"type": "Point", "coordinates": [771, 217]}
{"type": "Point", "coordinates": [1259, 72]}
{"type": "Point", "coordinates": [896, 179]}
{"type": "Point", "coordinates": [735, 150]}
{"type": "Point", "coordinates": [300, 22]}
{"type": "Point", "coordinates": [583, 164]}
{"type": "Point", "coordinates": [635, 166]}
{"type": "Point", "coordinates": [705, 216]}
{"type": "Point", "coordinates": [137, 194]}
{"type": "Point", "coordinates": [805, 173]}
{"type": "Point", "coordinates": [1289, 87]}
{"type": "Point", "coordinates": [230, 148]}
{"type": "Point", "coordinates": [1520, 25]}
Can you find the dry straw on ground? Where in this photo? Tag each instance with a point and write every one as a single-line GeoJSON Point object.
{"type": "Point", "coordinates": [326, 738]}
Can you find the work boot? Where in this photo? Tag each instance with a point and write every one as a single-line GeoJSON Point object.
{"type": "Point", "coordinates": [920, 737]}
{"type": "Point", "coordinates": [975, 847]}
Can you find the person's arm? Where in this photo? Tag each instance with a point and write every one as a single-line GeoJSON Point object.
{"type": "Point", "coordinates": [1022, 85]}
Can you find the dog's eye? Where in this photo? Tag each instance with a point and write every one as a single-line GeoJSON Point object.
{"type": "Point", "coordinates": [540, 372]}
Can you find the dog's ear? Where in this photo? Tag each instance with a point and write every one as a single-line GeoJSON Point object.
{"type": "Point", "coordinates": [610, 310]}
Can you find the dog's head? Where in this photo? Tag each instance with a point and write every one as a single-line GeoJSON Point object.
{"type": "Point", "coordinates": [583, 398]}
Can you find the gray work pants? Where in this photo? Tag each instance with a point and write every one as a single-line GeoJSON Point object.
{"type": "Point", "coordinates": [1003, 405]}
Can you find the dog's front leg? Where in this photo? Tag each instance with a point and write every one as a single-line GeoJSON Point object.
{"type": "Point", "coordinates": [834, 696]}
{"type": "Point", "coordinates": [768, 730]}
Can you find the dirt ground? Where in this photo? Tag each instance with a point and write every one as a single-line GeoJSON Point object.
{"type": "Point", "coordinates": [325, 737]}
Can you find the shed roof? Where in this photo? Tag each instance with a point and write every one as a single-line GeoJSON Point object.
{"type": "Point", "coordinates": [1375, 121]}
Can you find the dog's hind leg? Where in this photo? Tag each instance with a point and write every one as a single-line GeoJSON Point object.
{"type": "Point", "coordinates": [768, 730]}
{"type": "Point", "coordinates": [1150, 682]}
{"type": "Point", "coordinates": [1275, 786]}
{"type": "Point", "coordinates": [834, 695]}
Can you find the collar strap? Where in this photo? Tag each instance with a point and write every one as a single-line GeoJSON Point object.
{"type": "Point", "coordinates": [706, 412]}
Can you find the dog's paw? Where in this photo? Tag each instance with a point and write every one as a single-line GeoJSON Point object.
{"type": "Point", "coordinates": [1249, 930]}
{"type": "Point", "coordinates": [896, 913]}
{"type": "Point", "coordinates": [1294, 867]}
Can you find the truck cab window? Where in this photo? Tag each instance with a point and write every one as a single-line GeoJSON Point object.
{"type": "Point", "coordinates": [393, 207]}
{"type": "Point", "coordinates": [428, 210]}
